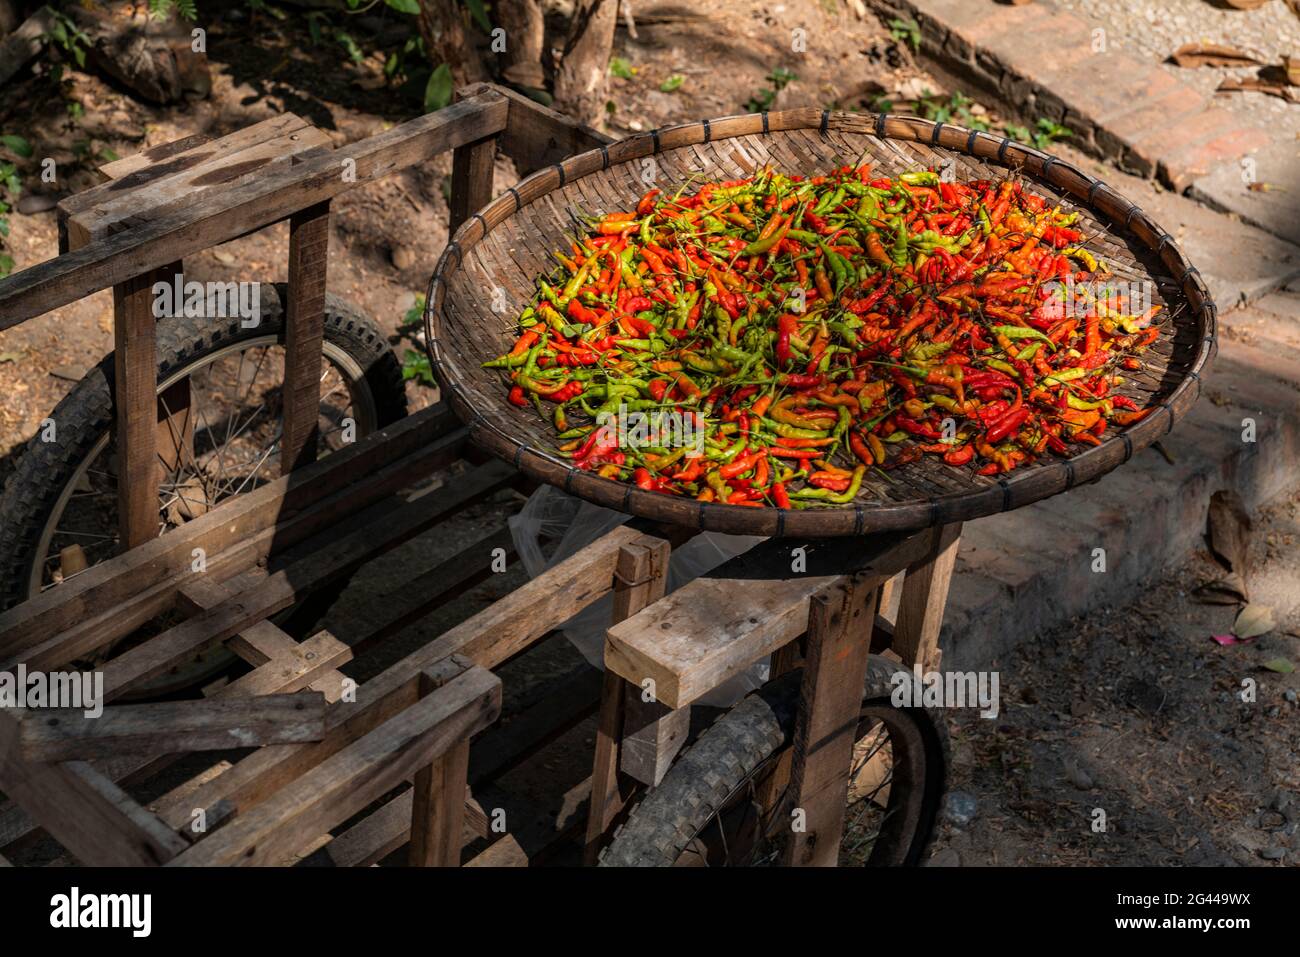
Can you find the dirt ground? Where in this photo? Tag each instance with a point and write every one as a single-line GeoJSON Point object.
{"type": "Point", "coordinates": [1138, 712]}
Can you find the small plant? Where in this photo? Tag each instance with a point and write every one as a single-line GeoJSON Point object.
{"type": "Point", "coordinates": [952, 109]}
{"type": "Point", "coordinates": [415, 365]}
{"type": "Point", "coordinates": [906, 31]}
{"type": "Point", "coordinates": [1048, 132]}
{"type": "Point", "coordinates": [66, 36]}
{"type": "Point", "coordinates": [10, 189]}
{"type": "Point", "coordinates": [158, 9]}
{"type": "Point", "coordinates": [621, 68]}
{"type": "Point", "coordinates": [672, 84]}
{"type": "Point", "coordinates": [779, 79]}
{"type": "Point", "coordinates": [415, 315]}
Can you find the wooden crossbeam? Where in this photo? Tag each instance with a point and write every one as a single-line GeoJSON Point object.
{"type": "Point", "coordinates": [488, 638]}
{"type": "Point", "coordinates": [714, 628]}
{"type": "Point", "coordinates": [116, 596]}
{"type": "Point", "coordinates": [221, 215]}
{"type": "Point", "coordinates": [280, 589]}
{"type": "Point", "coordinates": [88, 814]}
{"type": "Point", "coordinates": [214, 724]}
{"type": "Point", "coordinates": [356, 775]}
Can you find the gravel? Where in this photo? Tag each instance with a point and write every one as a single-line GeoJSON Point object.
{"type": "Point", "coordinates": [1152, 31]}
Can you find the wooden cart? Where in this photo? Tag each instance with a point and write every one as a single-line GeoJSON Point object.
{"type": "Point", "coordinates": [385, 763]}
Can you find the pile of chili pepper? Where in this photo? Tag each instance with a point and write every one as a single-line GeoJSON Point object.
{"type": "Point", "coordinates": [811, 330]}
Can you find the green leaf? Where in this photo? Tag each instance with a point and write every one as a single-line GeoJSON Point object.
{"type": "Point", "coordinates": [437, 92]}
{"type": "Point", "coordinates": [1280, 665]}
{"type": "Point", "coordinates": [621, 68]}
{"type": "Point", "coordinates": [415, 315]}
{"type": "Point", "coordinates": [479, 13]}
{"type": "Point", "coordinates": [672, 84]}
{"type": "Point", "coordinates": [404, 6]}
{"type": "Point", "coordinates": [6, 265]}
{"type": "Point", "coordinates": [17, 145]}
{"type": "Point", "coordinates": [354, 51]}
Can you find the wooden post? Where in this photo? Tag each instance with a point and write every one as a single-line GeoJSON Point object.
{"type": "Point", "coordinates": [304, 333]}
{"type": "Point", "coordinates": [438, 802]}
{"type": "Point", "coordinates": [925, 595]}
{"type": "Point", "coordinates": [471, 179]}
{"type": "Point", "coordinates": [135, 370]}
{"type": "Point", "coordinates": [175, 427]}
{"type": "Point", "coordinates": [640, 577]}
{"type": "Point", "coordinates": [835, 665]}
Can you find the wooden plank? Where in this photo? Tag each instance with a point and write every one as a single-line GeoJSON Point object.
{"type": "Point", "coordinates": [714, 628]}
{"type": "Point", "coordinates": [536, 136]}
{"type": "Point", "coordinates": [214, 724]}
{"type": "Point", "coordinates": [175, 430]}
{"type": "Point", "coordinates": [438, 810]}
{"type": "Point", "coordinates": [154, 155]}
{"type": "Point", "coordinates": [449, 579]}
{"type": "Point", "coordinates": [135, 370]}
{"type": "Point", "coordinates": [349, 780]}
{"type": "Point", "coordinates": [641, 577]}
{"type": "Point", "coordinates": [306, 664]}
{"type": "Point", "coordinates": [309, 232]}
{"type": "Point", "coordinates": [104, 210]}
{"type": "Point", "coordinates": [270, 678]}
{"type": "Point", "coordinates": [281, 513]}
{"type": "Point", "coordinates": [221, 215]}
{"type": "Point", "coordinates": [706, 632]}
{"type": "Point", "coordinates": [279, 590]}
{"type": "Point", "coordinates": [835, 667]}
{"type": "Point", "coordinates": [924, 598]}
{"type": "Point", "coordinates": [653, 733]}
{"type": "Point", "coordinates": [471, 179]}
{"type": "Point", "coordinates": [438, 795]}
{"type": "Point", "coordinates": [88, 814]}
{"type": "Point", "coordinates": [492, 636]}
{"type": "Point", "coordinates": [388, 829]}
{"type": "Point", "coordinates": [166, 160]}
{"type": "Point", "coordinates": [507, 852]}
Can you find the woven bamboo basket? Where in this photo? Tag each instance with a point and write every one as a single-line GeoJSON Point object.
{"type": "Point", "coordinates": [488, 272]}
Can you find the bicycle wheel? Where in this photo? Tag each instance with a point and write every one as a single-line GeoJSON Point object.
{"type": "Point", "coordinates": [58, 514]}
{"type": "Point", "coordinates": [725, 801]}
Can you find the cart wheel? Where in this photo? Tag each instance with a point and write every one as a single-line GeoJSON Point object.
{"type": "Point", "coordinates": [725, 801]}
{"type": "Point", "coordinates": [58, 514]}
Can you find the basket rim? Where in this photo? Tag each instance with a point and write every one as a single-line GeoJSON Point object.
{"type": "Point", "coordinates": [858, 518]}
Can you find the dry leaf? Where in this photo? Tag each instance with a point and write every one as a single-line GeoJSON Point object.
{"type": "Point", "coordinates": [1253, 84]}
{"type": "Point", "coordinates": [1227, 531]}
{"type": "Point", "coordinates": [1228, 590]}
{"type": "Point", "coordinates": [1254, 620]}
{"type": "Point", "coordinates": [1265, 188]}
{"type": "Point", "coordinates": [1211, 54]}
{"type": "Point", "coordinates": [1246, 4]}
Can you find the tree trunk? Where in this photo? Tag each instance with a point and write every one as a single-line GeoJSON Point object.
{"type": "Point", "coordinates": [444, 38]}
{"type": "Point", "coordinates": [525, 31]}
{"type": "Point", "coordinates": [581, 82]}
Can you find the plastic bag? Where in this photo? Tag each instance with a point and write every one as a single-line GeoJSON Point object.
{"type": "Point", "coordinates": [570, 524]}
